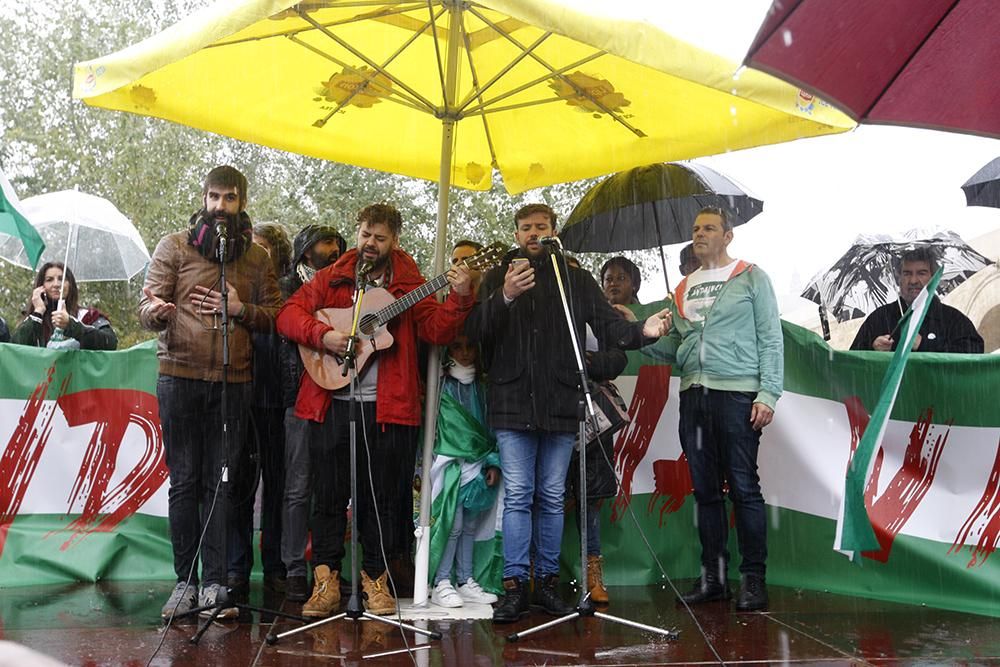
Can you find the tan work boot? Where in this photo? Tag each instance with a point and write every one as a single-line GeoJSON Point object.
{"type": "Point", "coordinates": [595, 579]}
{"type": "Point", "coordinates": [378, 599]}
{"type": "Point", "coordinates": [326, 593]}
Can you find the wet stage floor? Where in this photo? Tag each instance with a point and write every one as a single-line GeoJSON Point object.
{"type": "Point", "coordinates": [118, 624]}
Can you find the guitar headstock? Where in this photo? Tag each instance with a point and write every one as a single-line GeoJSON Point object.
{"type": "Point", "coordinates": [487, 258]}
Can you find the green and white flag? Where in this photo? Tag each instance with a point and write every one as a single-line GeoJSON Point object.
{"type": "Point", "coordinates": [15, 230]}
{"type": "Point", "coordinates": [854, 528]}
{"type": "Point", "coordinates": [459, 448]}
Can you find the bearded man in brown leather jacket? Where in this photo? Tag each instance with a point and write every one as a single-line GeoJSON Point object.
{"type": "Point", "coordinates": [183, 302]}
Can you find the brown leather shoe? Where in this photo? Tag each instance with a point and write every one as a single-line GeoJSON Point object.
{"type": "Point", "coordinates": [326, 593]}
{"type": "Point", "coordinates": [595, 579]}
{"type": "Point", "coordinates": [378, 599]}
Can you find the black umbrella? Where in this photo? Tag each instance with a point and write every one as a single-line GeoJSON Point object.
{"type": "Point", "coordinates": [865, 277]}
{"type": "Point", "coordinates": [983, 189]}
{"type": "Point", "coordinates": [652, 206]}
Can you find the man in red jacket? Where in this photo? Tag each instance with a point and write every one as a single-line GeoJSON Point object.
{"type": "Point", "coordinates": [388, 386]}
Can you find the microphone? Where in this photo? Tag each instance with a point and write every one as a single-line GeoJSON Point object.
{"type": "Point", "coordinates": [551, 241]}
{"type": "Point", "coordinates": [364, 267]}
{"type": "Point", "coordinates": [220, 228]}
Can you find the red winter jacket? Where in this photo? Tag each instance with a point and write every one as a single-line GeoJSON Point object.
{"type": "Point", "coordinates": [398, 389]}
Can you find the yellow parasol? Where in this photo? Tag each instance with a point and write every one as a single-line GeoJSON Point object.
{"type": "Point", "coordinates": [448, 90]}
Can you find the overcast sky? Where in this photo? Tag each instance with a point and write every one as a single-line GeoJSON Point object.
{"type": "Point", "coordinates": [820, 193]}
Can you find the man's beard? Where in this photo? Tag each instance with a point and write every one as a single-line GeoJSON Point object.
{"type": "Point", "coordinates": [321, 260]}
{"type": "Point", "coordinates": [231, 222]}
{"type": "Point", "coordinates": [378, 263]}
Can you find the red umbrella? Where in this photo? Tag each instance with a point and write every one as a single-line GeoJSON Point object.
{"type": "Point", "coordinates": [923, 63]}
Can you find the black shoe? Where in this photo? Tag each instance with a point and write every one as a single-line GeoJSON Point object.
{"type": "Point", "coordinates": [707, 589]}
{"type": "Point", "coordinates": [401, 575]}
{"type": "Point", "coordinates": [239, 590]}
{"type": "Point", "coordinates": [296, 588]}
{"type": "Point", "coordinates": [274, 582]}
{"type": "Point", "coordinates": [514, 603]}
{"type": "Point", "coordinates": [547, 597]}
{"type": "Point", "coordinates": [753, 593]}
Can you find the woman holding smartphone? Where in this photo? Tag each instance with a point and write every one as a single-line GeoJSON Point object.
{"type": "Point", "coordinates": [78, 328]}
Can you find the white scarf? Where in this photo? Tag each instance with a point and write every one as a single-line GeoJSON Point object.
{"type": "Point", "coordinates": [464, 374]}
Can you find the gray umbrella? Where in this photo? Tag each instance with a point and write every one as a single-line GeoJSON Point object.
{"type": "Point", "coordinates": [983, 189]}
{"type": "Point", "coordinates": [652, 206]}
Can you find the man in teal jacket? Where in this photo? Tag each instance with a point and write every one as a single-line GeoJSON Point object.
{"type": "Point", "coordinates": [726, 342]}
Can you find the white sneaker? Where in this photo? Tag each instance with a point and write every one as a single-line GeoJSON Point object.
{"type": "Point", "coordinates": [182, 600]}
{"type": "Point", "coordinates": [208, 596]}
{"type": "Point", "coordinates": [445, 595]}
{"type": "Point", "coordinates": [471, 591]}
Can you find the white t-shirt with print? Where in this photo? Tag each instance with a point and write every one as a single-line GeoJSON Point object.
{"type": "Point", "coordinates": [703, 286]}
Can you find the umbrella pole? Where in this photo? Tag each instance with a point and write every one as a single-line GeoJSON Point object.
{"type": "Point", "coordinates": [62, 286]}
{"type": "Point", "coordinates": [663, 261]}
{"type": "Point", "coordinates": [423, 532]}
{"type": "Point", "coordinates": [663, 258]}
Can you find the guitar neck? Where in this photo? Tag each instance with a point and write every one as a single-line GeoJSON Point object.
{"type": "Point", "coordinates": [406, 302]}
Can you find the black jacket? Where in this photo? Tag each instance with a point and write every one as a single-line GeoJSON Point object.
{"type": "Point", "coordinates": [526, 351]}
{"type": "Point", "coordinates": [944, 329]}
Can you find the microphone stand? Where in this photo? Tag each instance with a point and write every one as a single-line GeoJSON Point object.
{"type": "Point", "coordinates": [355, 610]}
{"type": "Point", "coordinates": [584, 607]}
{"type": "Point", "coordinates": [222, 499]}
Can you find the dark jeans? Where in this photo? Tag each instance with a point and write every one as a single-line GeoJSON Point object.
{"type": "Point", "coordinates": [263, 459]}
{"type": "Point", "coordinates": [330, 479]}
{"type": "Point", "coordinates": [390, 448]}
{"type": "Point", "coordinates": [191, 419]}
{"type": "Point", "coordinates": [721, 447]}
{"type": "Point", "coordinates": [298, 492]}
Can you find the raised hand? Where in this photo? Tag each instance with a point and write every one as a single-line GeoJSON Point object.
{"type": "Point", "coordinates": [159, 310]}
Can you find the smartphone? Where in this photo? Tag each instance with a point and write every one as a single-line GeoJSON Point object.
{"type": "Point", "coordinates": [518, 262]}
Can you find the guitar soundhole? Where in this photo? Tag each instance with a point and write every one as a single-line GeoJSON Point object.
{"type": "Point", "coordinates": [368, 324]}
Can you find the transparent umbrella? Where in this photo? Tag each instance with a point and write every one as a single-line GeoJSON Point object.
{"type": "Point", "coordinates": [864, 278]}
{"type": "Point", "coordinates": [88, 233]}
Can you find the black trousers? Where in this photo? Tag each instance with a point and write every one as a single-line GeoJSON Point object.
{"type": "Point", "coordinates": [385, 458]}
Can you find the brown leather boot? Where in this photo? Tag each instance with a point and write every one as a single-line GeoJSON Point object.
{"type": "Point", "coordinates": [326, 593]}
{"type": "Point", "coordinates": [595, 579]}
{"type": "Point", "coordinates": [378, 599]}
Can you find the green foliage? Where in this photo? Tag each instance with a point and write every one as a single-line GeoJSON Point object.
{"type": "Point", "coordinates": [152, 169]}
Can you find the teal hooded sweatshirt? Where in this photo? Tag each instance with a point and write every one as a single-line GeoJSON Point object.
{"type": "Point", "coordinates": [737, 347]}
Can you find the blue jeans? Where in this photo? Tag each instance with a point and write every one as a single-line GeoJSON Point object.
{"type": "Point", "coordinates": [534, 465]}
{"type": "Point", "coordinates": [191, 419]}
{"type": "Point", "coordinates": [458, 551]}
{"type": "Point", "coordinates": [721, 446]}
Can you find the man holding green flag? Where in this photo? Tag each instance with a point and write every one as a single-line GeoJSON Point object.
{"type": "Point", "coordinates": [944, 329]}
{"type": "Point", "coordinates": [854, 528]}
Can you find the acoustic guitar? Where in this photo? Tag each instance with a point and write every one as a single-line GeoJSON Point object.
{"type": "Point", "coordinates": [378, 308]}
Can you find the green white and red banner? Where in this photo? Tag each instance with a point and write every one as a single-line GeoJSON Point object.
{"type": "Point", "coordinates": [83, 485]}
{"type": "Point", "coordinates": [83, 492]}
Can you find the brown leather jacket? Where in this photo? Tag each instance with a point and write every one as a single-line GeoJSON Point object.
{"type": "Point", "coordinates": [187, 345]}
